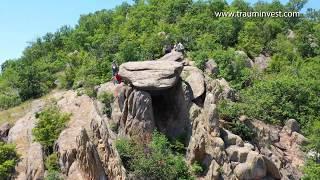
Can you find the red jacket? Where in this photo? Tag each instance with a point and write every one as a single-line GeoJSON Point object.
{"type": "Point", "coordinates": [118, 78]}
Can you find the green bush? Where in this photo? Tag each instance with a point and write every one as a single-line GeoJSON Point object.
{"type": "Point", "coordinates": [200, 58]}
{"type": "Point", "coordinates": [242, 130]}
{"type": "Point", "coordinates": [8, 100]}
{"type": "Point", "coordinates": [107, 99]}
{"type": "Point", "coordinates": [156, 160]}
{"type": "Point", "coordinates": [53, 175]}
{"type": "Point", "coordinates": [196, 168]}
{"type": "Point", "coordinates": [229, 110]}
{"type": "Point", "coordinates": [8, 160]}
{"type": "Point", "coordinates": [314, 139]}
{"type": "Point", "coordinates": [126, 149]}
{"type": "Point", "coordinates": [52, 163]}
{"type": "Point", "coordinates": [311, 170]}
{"type": "Point", "coordinates": [233, 67]}
{"type": "Point", "coordinates": [114, 127]}
{"type": "Point", "coordinates": [281, 96]}
{"type": "Point", "coordinates": [49, 126]}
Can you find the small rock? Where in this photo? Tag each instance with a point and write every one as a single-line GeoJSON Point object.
{"type": "Point", "coordinates": [299, 139]}
{"type": "Point", "coordinates": [231, 139]}
{"type": "Point", "coordinates": [237, 154]}
{"type": "Point", "coordinates": [213, 172]}
{"type": "Point", "coordinates": [291, 126]}
{"type": "Point", "coordinates": [253, 168]}
{"type": "Point", "coordinates": [249, 146]}
{"type": "Point", "coordinates": [194, 77]}
{"type": "Point", "coordinates": [4, 131]}
{"type": "Point", "coordinates": [211, 67]}
{"type": "Point", "coordinates": [173, 56]}
{"type": "Point", "coordinates": [272, 168]}
{"type": "Point", "coordinates": [261, 62]}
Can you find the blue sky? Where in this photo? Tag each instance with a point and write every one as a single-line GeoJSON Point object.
{"type": "Point", "coordinates": [22, 21]}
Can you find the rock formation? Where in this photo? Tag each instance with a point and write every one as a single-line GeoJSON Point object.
{"type": "Point", "coordinates": [178, 101]}
{"type": "Point", "coordinates": [151, 75]}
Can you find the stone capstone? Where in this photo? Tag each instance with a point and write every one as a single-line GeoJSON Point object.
{"type": "Point", "coordinates": [151, 75]}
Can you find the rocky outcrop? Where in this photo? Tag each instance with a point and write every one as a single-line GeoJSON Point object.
{"type": "Point", "coordinates": [31, 165]}
{"type": "Point", "coordinates": [176, 100]}
{"type": "Point", "coordinates": [137, 118]}
{"type": "Point", "coordinates": [4, 131]}
{"type": "Point", "coordinates": [85, 148]}
{"type": "Point", "coordinates": [291, 126]}
{"type": "Point", "coordinates": [261, 62]}
{"type": "Point", "coordinates": [281, 146]}
{"type": "Point", "coordinates": [247, 61]}
{"type": "Point", "coordinates": [81, 109]}
{"type": "Point", "coordinates": [173, 56]}
{"type": "Point", "coordinates": [195, 79]}
{"type": "Point", "coordinates": [219, 89]}
{"type": "Point", "coordinates": [211, 67]}
{"type": "Point", "coordinates": [88, 158]}
{"type": "Point", "coordinates": [151, 75]}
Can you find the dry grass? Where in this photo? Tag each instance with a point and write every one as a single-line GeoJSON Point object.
{"type": "Point", "coordinates": [13, 114]}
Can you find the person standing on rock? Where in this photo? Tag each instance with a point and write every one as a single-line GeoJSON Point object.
{"type": "Point", "coordinates": [115, 75]}
{"type": "Point", "coordinates": [167, 49]}
{"type": "Point", "coordinates": [179, 47]}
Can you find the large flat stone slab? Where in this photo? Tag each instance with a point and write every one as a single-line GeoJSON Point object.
{"type": "Point", "coordinates": [151, 75]}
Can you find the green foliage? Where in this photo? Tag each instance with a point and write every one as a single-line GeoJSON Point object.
{"type": "Point", "coordinates": [126, 149]}
{"type": "Point", "coordinates": [8, 160]}
{"type": "Point", "coordinates": [233, 67]}
{"type": "Point", "coordinates": [196, 169]}
{"type": "Point", "coordinates": [52, 163]}
{"type": "Point", "coordinates": [178, 146]}
{"type": "Point", "coordinates": [200, 58]}
{"type": "Point", "coordinates": [242, 130]}
{"type": "Point", "coordinates": [81, 57]}
{"type": "Point", "coordinates": [49, 125]}
{"type": "Point", "coordinates": [314, 139]}
{"type": "Point", "coordinates": [311, 170]}
{"type": "Point", "coordinates": [107, 99]}
{"type": "Point", "coordinates": [155, 160]}
{"type": "Point", "coordinates": [278, 97]}
{"type": "Point", "coordinates": [53, 175]}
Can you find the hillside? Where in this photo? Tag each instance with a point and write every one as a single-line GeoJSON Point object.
{"type": "Point", "coordinates": [242, 101]}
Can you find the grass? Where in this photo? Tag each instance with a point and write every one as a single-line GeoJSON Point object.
{"type": "Point", "coordinates": [15, 113]}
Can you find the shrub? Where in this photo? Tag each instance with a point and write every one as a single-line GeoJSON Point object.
{"type": "Point", "coordinates": [242, 130]}
{"type": "Point", "coordinates": [278, 97]}
{"type": "Point", "coordinates": [8, 100]}
{"type": "Point", "coordinates": [48, 127]}
{"type": "Point", "coordinates": [200, 58]}
{"type": "Point", "coordinates": [314, 139]}
{"type": "Point", "coordinates": [52, 162]}
{"type": "Point", "coordinates": [53, 175]}
{"type": "Point", "coordinates": [229, 110]}
{"type": "Point", "coordinates": [8, 160]}
{"type": "Point", "coordinates": [155, 160]}
{"type": "Point", "coordinates": [178, 146]}
{"type": "Point", "coordinates": [126, 151]}
{"type": "Point", "coordinates": [107, 99]}
{"type": "Point", "coordinates": [196, 168]}
{"type": "Point", "coordinates": [311, 170]}
{"type": "Point", "coordinates": [114, 127]}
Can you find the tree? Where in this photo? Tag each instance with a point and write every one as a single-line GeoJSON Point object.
{"type": "Point", "coordinates": [8, 160]}
{"type": "Point", "coordinates": [49, 126]}
{"type": "Point", "coordinates": [154, 160]}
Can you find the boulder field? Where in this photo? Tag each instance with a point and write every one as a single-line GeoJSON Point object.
{"type": "Point", "coordinates": [174, 98]}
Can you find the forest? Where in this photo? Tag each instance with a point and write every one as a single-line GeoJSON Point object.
{"type": "Point", "coordinates": [81, 56]}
